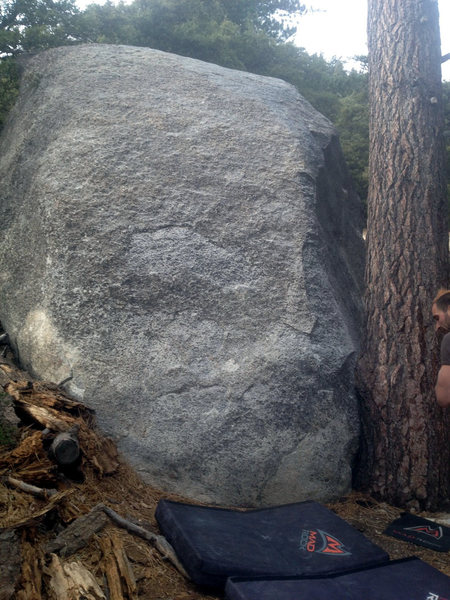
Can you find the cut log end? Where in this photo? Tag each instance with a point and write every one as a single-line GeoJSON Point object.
{"type": "Point", "coordinates": [65, 449]}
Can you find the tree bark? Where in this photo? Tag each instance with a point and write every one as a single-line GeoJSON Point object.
{"type": "Point", "coordinates": [405, 454]}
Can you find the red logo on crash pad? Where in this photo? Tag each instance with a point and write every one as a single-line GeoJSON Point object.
{"type": "Point", "coordinates": [435, 532]}
{"type": "Point", "coordinates": [321, 542]}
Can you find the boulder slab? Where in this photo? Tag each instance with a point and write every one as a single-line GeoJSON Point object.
{"type": "Point", "coordinates": [184, 242]}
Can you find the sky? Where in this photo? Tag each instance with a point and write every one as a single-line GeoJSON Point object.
{"type": "Point", "coordinates": [339, 30]}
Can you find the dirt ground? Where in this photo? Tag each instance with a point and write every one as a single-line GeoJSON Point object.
{"type": "Point", "coordinates": [38, 520]}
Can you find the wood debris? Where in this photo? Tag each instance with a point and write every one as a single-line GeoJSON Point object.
{"type": "Point", "coordinates": [30, 489]}
{"type": "Point", "coordinates": [119, 574]}
{"type": "Point", "coordinates": [30, 583]}
{"type": "Point", "coordinates": [57, 434]}
{"type": "Point", "coordinates": [62, 419]}
{"type": "Point", "coordinates": [158, 541]}
{"type": "Point", "coordinates": [72, 581]}
{"type": "Point", "coordinates": [78, 533]}
{"type": "Point", "coordinates": [47, 395]}
{"type": "Point", "coordinates": [54, 507]}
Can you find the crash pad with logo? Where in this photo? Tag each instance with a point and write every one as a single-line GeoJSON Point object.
{"type": "Point", "coordinates": [420, 531]}
{"type": "Point", "coordinates": [304, 538]}
{"type": "Point", "coordinates": [406, 579]}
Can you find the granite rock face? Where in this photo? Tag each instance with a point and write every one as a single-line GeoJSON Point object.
{"type": "Point", "coordinates": [184, 241]}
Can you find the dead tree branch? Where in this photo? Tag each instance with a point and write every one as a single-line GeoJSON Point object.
{"type": "Point", "coordinates": [158, 541]}
{"type": "Point", "coordinates": [30, 489]}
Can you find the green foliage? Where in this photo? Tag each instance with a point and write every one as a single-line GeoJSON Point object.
{"type": "Point", "coordinates": [275, 18]}
{"type": "Point", "coordinates": [352, 123]}
{"type": "Point", "coordinates": [9, 87]}
{"type": "Point", "coordinates": [32, 25]}
{"type": "Point", "coordinates": [219, 31]}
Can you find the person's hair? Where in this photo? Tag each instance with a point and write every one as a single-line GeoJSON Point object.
{"type": "Point", "coordinates": [442, 300]}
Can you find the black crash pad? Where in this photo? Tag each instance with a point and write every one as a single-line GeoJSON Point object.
{"type": "Point", "coordinates": [420, 531]}
{"type": "Point", "coordinates": [296, 539]}
{"type": "Point", "coordinates": [407, 579]}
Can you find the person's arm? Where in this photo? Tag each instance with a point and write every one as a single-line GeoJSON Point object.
{"type": "Point", "coordinates": [442, 388]}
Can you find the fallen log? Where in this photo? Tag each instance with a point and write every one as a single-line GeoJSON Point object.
{"type": "Point", "coordinates": [158, 541]}
{"type": "Point", "coordinates": [78, 533]}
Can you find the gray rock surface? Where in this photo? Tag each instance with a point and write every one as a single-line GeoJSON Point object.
{"type": "Point", "coordinates": [183, 240]}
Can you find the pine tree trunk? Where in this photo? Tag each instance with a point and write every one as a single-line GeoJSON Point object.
{"type": "Point", "coordinates": [405, 456]}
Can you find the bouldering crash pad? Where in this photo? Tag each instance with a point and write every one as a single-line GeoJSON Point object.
{"type": "Point", "coordinates": [304, 538]}
{"type": "Point", "coordinates": [406, 579]}
{"type": "Point", "coordinates": [420, 531]}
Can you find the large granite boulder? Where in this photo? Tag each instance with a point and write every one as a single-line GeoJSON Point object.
{"type": "Point", "coordinates": [183, 240]}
